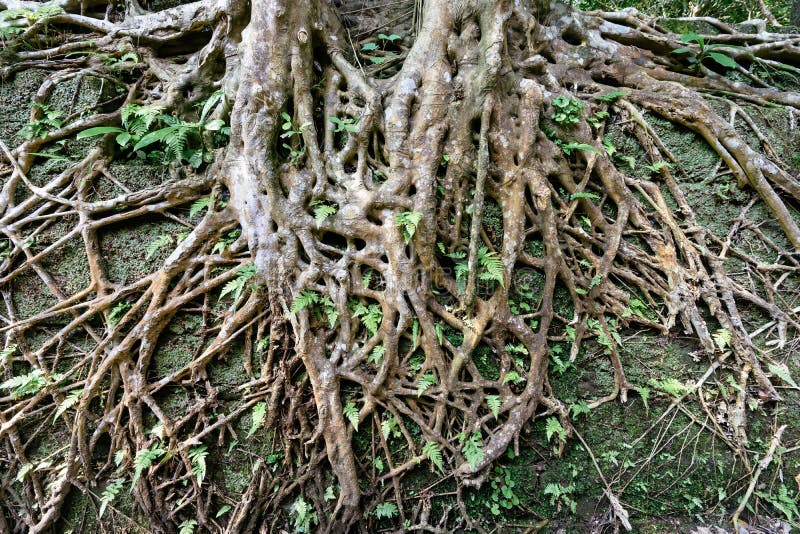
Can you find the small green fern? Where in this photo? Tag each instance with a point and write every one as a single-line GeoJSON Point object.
{"type": "Point", "coordinates": [408, 221]}
{"type": "Point", "coordinates": [351, 414]}
{"type": "Point", "coordinates": [197, 457]}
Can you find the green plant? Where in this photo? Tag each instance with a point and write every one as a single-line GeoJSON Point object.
{"type": "Point", "coordinates": [495, 404]}
{"type": "Point", "coordinates": [611, 97]}
{"type": "Point", "coordinates": [238, 284]}
{"type": "Point", "coordinates": [502, 494]}
{"type": "Point", "coordinates": [69, 401]}
{"type": "Point", "coordinates": [295, 140]}
{"type": "Point", "coordinates": [472, 449]}
{"type": "Point", "coordinates": [259, 415]}
{"type": "Point", "coordinates": [706, 51]}
{"type": "Point", "coordinates": [425, 381]}
{"type": "Point", "coordinates": [371, 316]}
{"type": "Point", "coordinates": [51, 119]}
{"type": "Point", "coordinates": [136, 123]}
{"type": "Point", "coordinates": [225, 242]}
{"type": "Point", "coordinates": [109, 494]}
{"type": "Point", "coordinates": [376, 355]}
{"type": "Point", "coordinates": [144, 459]}
{"type": "Point", "coordinates": [572, 146]}
{"type": "Point", "coordinates": [28, 384]}
{"type": "Point", "coordinates": [432, 452]}
{"type": "Point", "coordinates": [783, 501]}
{"type": "Point", "coordinates": [197, 457]}
{"type": "Point", "coordinates": [322, 210]}
{"type": "Point", "coordinates": [14, 21]}
{"type": "Point", "coordinates": [351, 414]}
{"type": "Point", "coordinates": [181, 140]}
{"type": "Point", "coordinates": [553, 428]}
{"type": "Point", "coordinates": [674, 387]}
{"type": "Point", "coordinates": [385, 510]}
{"type": "Point", "coordinates": [187, 527]}
{"type": "Point", "coordinates": [561, 496]}
{"type": "Point", "coordinates": [567, 110]}
{"type": "Point", "coordinates": [390, 427]}
{"type": "Point", "coordinates": [347, 124]}
{"type": "Point", "coordinates": [157, 244]}
{"type": "Point", "coordinates": [317, 303]}
{"type": "Point", "coordinates": [408, 221]}
{"type": "Point", "coordinates": [117, 312]}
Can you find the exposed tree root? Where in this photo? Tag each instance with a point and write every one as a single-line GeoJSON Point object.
{"type": "Point", "coordinates": [407, 153]}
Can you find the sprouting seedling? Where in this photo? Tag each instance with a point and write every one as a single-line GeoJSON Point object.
{"type": "Point", "coordinates": [707, 51]}
{"type": "Point", "coordinates": [347, 124]}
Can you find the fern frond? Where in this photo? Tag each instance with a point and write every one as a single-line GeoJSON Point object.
{"type": "Point", "coordinates": [199, 205]}
{"type": "Point", "coordinates": [495, 403]}
{"type": "Point", "coordinates": [259, 414]}
{"type": "Point", "coordinates": [109, 494]}
{"type": "Point", "coordinates": [351, 414]}
{"type": "Point", "coordinates": [473, 450]}
{"type": "Point", "coordinates": [197, 456]}
{"type": "Point", "coordinates": [493, 267]}
{"type": "Point", "coordinates": [303, 300]}
{"type": "Point", "coordinates": [432, 452]}
{"type": "Point", "coordinates": [425, 381]}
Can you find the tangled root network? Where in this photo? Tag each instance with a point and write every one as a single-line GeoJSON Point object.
{"type": "Point", "coordinates": [339, 183]}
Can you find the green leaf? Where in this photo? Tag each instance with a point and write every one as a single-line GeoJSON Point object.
{"type": "Point", "coordinates": [351, 414]}
{"type": "Point", "coordinates": [425, 381]}
{"type": "Point", "coordinates": [682, 50]}
{"type": "Point", "coordinates": [554, 428]}
{"type": "Point", "coordinates": [187, 527]}
{"type": "Point", "coordinates": [644, 393]}
{"type": "Point", "coordinates": [99, 130]}
{"type": "Point", "coordinates": [371, 316]}
{"type": "Point", "coordinates": [473, 450]}
{"type": "Point", "coordinates": [722, 59]}
{"type": "Point", "coordinates": [408, 222]}
{"type": "Point", "coordinates": [612, 97]}
{"type": "Point", "coordinates": [322, 210]}
{"type": "Point", "coordinates": [495, 403]}
{"type": "Point", "coordinates": [7, 352]}
{"type": "Point", "coordinates": [781, 371]}
{"type": "Point", "coordinates": [330, 494]}
{"type": "Point", "coordinates": [144, 459]}
{"type": "Point", "coordinates": [579, 408]}
{"type": "Point", "coordinates": [209, 105]}
{"type": "Point", "coordinates": [27, 384]}
{"type": "Point", "coordinates": [259, 415]}
{"type": "Point", "coordinates": [432, 452]}
{"type": "Point", "coordinates": [109, 494]}
{"type": "Point", "coordinates": [376, 356]}
{"type": "Point", "coordinates": [303, 300]}
{"type": "Point", "coordinates": [157, 244]}
{"type": "Point", "coordinates": [237, 285]}
{"type": "Point", "coordinates": [197, 456]}
{"type": "Point", "coordinates": [224, 509]}
{"type": "Point", "coordinates": [199, 205]}
{"type": "Point", "coordinates": [369, 47]}
{"type": "Point", "coordinates": [386, 510]}
{"type": "Point", "coordinates": [584, 194]}
{"type": "Point", "coordinates": [672, 386]}
{"type": "Point", "coordinates": [722, 338]}
{"type": "Point", "coordinates": [23, 471]}
{"type": "Point", "coordinates": [492, 266]}
{"type": "Point", "coordinates": [692, 37]}
{"type": "Point", "coordinates": [390, 427]}
{"type": "Point", "coordinates": [69, 401]}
